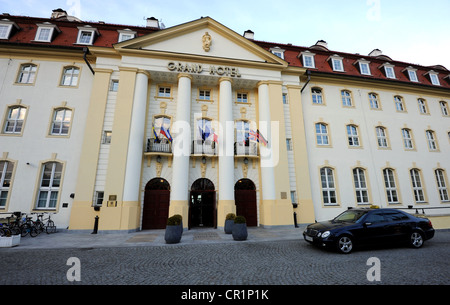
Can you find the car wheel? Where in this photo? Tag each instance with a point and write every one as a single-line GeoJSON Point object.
{"type": "Point", "coordinates": [416, 239]}
{"type": "Point", "coordinates": [344, 244]}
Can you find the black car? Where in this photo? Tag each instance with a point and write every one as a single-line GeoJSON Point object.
{"type": "Point", "coordinates": [358, 226]}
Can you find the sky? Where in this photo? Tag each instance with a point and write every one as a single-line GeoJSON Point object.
{"type": "Point", "coordinates": [412, 31]}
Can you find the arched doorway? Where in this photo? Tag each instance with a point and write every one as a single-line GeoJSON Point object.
{"type": "Point", "coordinates": [202, 207]}
{"type": "Point", "coordinates": [245, 199]}
{"type": "Point", "coordinates": [156, 204]}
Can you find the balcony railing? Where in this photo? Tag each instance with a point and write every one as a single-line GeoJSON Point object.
{"type": "Point", "coordinates": [241, 149]}
{"type": "Point", "coordinates": [163, 146]}
{"type": "Point", "coordinates": [207, 147]}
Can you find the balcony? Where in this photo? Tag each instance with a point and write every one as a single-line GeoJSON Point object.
{"type": "Point", "coordinates": [249, 149]}
{"type": "Point", "coordinates": [200, 147]}
{"type": "Point", "coordinates": [164, 146]}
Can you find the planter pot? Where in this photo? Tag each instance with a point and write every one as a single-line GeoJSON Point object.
{"type": "Point", "coordinates": [228, 226]}
{"type": "Point", "coordinates": [11, 241]}
{"type": "Point", "coordinates": [239, 231]}
{"type": "Point", "coordinates": [181, 228]}
{"type": "Point", "coordinates": [173, 234]}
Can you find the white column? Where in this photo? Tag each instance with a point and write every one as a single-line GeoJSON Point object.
{"type": "Point", "coordinates": [181, 143]}
{"type": "Point", "coordinates": [226, 141]}
{"type": "Point", "coordinates": [266, 153]}
{"type": "Point", "coordinates": [136, 140]}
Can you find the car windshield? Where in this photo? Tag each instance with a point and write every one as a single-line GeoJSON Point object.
{"type": "Point", "coordinates": [350, 216]}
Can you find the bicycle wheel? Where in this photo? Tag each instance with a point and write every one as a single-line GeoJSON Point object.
{"type": "Point", "coordinates": [5, 232]}
{"type": "Point", "coordinates": [33, 231]}
{"type": "Point", "coordinates": [25, 229]}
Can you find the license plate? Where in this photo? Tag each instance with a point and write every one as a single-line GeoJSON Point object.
{"type": "Point", "coordinates": [308, 238]}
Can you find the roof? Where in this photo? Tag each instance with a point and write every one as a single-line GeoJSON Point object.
{"type": "Point", "coordinates": [107, 36]}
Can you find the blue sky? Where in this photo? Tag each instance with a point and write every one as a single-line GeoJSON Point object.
{"type": "Point", "coordinates": [406, 30]}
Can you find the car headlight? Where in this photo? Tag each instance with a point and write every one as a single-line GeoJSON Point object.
{"type": "Point", "coordinates": [326, 234]}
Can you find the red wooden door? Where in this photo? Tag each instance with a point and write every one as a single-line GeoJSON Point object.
{"type": "Point", "coordinates": [246, 206]}
{"type": "Point", "coordinates": [156, 209]}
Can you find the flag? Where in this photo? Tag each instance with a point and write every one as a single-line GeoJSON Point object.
{"type": "Point", "coordinates": [257, 136]}
{"type": "Point", "coordinates": [215, 138]}
{"type": "Point", "coordinates": [166, 133]}
{"type": "Point", "coordinates": [156, 136]}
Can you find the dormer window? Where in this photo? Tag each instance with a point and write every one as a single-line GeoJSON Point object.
{"type": "Point", "coordinates": [86, 35]}
{"type": "Point", "coordinates": [364, 67]}
{"type": "Point", "coordinates": [433, 77]}
{"type": "Point", "coordinates": [7, 27]}
{"type": "Point", "coordinates": [336, 63]}
{"type": "Point", "coordinates": [278, 52]}
{"type": "Point", "coordinates": [46, 32]}
{"type": "Point", "coordinates": [388, 70]}
{"type": "Point", "coordinates": [412, 74]}
{"type": "Point", "coordinates": [308, 59]}
{"type": "Point", "coordinates": [126, 34]}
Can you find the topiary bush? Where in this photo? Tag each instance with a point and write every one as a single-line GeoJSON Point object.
{"type": "Point", "coordinates": [173, 221]}
{"type": "Point", "coordinates": [240, 219]}
{"type": "Point", "coordinates": [230, 216]}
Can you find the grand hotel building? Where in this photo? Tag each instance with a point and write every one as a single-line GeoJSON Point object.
{"type": "Point", "coordinates": [134, 124]}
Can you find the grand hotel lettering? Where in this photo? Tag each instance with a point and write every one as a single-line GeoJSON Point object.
{"type": "Point", "coordinates": [199, 68]}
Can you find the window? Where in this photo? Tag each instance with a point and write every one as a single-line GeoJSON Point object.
{"type": "Point", "coordinates": [204, 94]}
{"type": "Point", "coordinates": [98, 198]}
{"type": "Point", "coordinates": [293, 196]}
{"type": "Point", "coordinates": [434, 79]}
{"type": "Point", "coordinates": [422, 106]}
{"type": "Point", "coordinates": [86, 35]}
{"type": "Point", "coordinates": [407, 139]}
{"type": "Point", "coordinates": [399, 105]}
{"type": "Point", "coordinates": [337, 65]}
{"type": "Point", "coordinates": [352, 134]}
{"type": "Point", "coordinates": [381, 137]}
{"type": "Point", "coordinates": [394, 216]}
{"type": "Point", "coordinates": [359, 178]}
{"type": "Point", "coordinates": [61, 122]}
{"type": "Point", "coordinates": [431, 139]}
{"type": "Point", "coordinates": [70, 76]}
{"type": "Point", "coordinates": [364, 67]}
{"type": "Point", "coordinates": [419, 195]}
{"type": "Point", "coordinates": [444, 108]}
{"type": "Point", "coordinates": [390, 186]}
{"type": "Point", "coordinates": [4, 31]}
{"type": "Point", "coordinates": [164, 92]}
{"type": "Point", "coordinates": [322, 134]}
{"type": "Point", "coordinates": [6, 171]}
{"type": "Point", "coordinates": [317, 96]}
{"type": "Point", "coordinates": [107, 137]}
{"type": "Point", "coordinates": [441, 184]}
{"type": "Point", "coordinates": [308, 60]}
{"type": "Point", "coordinates": [278, 52]}
{"type": "Point", "coordinates": [242, 97]}
{"type": "Point", "coordinates": [289, 144]}
{"type": "Point", "coordinates": [412, 75]}
{"type": "Point", "coordinates": [27, 74]}
{"type": "Point", "coordinates": [45, 32]}
{"type": "Point", "coordinates": [126, 34]}
{"type": "Point", "coordinates": [346, 98]}
{"type": "Point", "coordinates": [49, 185]}
{"type": "Point", "coordinates": [7, 28]}
{"type": "Point", "coordinates": [373, 101]}
{"type": "Point", "coordinates": [389, 70]}
{"type": "Point", "coordinates": [15, 119]}
{"type": "Point", "coordinates": [328, 186]}
{"type": "Point", "coordinates": [114, 85]}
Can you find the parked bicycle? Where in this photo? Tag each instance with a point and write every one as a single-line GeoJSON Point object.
{"type": "Point", "coordinates": [28, 227]}
{"type": "Point", "coordinates": [41, 226]}
{"type": "Point", "coordinates": [4, 231]}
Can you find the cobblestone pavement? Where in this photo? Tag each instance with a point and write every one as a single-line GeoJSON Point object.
{"type": "Point", "coordinates": [208, 262]}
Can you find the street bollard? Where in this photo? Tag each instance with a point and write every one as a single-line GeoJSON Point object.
{"type": "Point", "coordinates": [95, 225]}
{"type": "Point", "coordinates": [295, 219]}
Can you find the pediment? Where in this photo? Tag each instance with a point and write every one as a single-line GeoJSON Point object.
{"type": "Point", "coordinates": [204, 37]}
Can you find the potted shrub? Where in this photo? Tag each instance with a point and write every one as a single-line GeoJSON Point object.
{"type": "Point", "coordinates": [239, 230]}
{"type": "Point", "coordinates": [173, 232]}
{"type": "Point", "coordinates": [229, 221]}
{"type": "Point", "coordinates": [180, 219]}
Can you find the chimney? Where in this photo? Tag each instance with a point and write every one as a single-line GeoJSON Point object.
{"type": "Point", "coordinates": [375, 53]}
{"type": "Point", "coordinates": [322, 43]}
{"type": "Point", "coordinates": [58, 13]}
{"type": "Point", "coordinates": [249, 34]}
{"type": "Point", "coordinates": [152, 22]}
